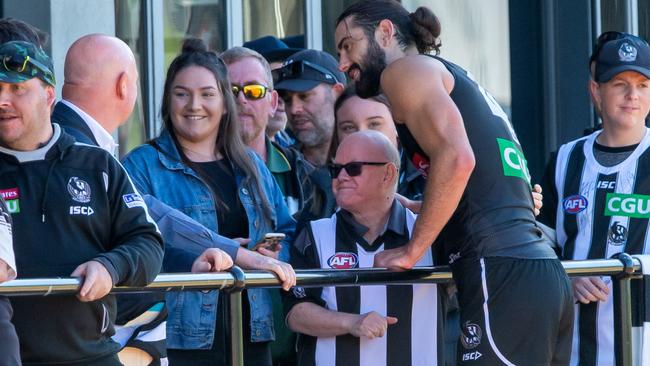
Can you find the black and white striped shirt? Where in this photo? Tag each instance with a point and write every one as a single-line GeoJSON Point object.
{"type": "Point", "coordinates": [337, 243]}
{"type": "Point", "coordinates": [600, 211]}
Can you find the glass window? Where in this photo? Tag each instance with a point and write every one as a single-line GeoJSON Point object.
{"type": "Point", "coordinates": [330, 12]}
{"type": "Point", "coordinates": [612, 15]}
{"type": "Point", "coordinates": [128, 28]}
{"type": "Point", "coordinates": [644, 19]}
{"type": "Point", "coordinates": [476, 36]}
{"type": "Point", "coordinates": [204, 19]}
{"type": "Point", "coordinates": [281, 18]}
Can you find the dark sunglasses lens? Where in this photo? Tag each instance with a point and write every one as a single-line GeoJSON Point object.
{"type": "Point", "coordinates": [353, 169]}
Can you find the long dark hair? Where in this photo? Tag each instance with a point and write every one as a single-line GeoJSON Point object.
{"type": "Point", "coordinates": [420, 28]}
{"type": "Point", "coordinates": [229, 142]}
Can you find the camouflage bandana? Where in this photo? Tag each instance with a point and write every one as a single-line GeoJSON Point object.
{"type": "Point", "coordinates": [21, 61]}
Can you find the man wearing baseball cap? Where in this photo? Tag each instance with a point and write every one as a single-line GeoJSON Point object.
{"type": "Point", "coordinates": [75, 213]}
{"type": "Point", "coordinates": [275, 52]}
{"type": "Point", "coordinates": [590, 178]}
{"type": "Point", "coordinates": [309, 82]}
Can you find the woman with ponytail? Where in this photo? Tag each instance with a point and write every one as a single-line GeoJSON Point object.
{"type": "Point", "coordinates": [200, 166]}
{"type": "Point", "coordinates": [477, 198]}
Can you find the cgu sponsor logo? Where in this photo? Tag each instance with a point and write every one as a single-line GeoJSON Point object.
{"type": "Point", "coordinates": [343, 260]}
{"type": "Point", "coordinates": [513, 160]}
{"type": "Point", "coordinates": [628, 205]}
{"type": "Point", "coordinates": [574, 204]}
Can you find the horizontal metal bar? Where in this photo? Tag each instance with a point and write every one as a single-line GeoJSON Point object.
{"type": "Point", "coordinates": [304, 278]}
{"type": "Point", "coordinates": [163, 282]}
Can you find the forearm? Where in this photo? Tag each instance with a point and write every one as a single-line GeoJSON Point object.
{"type": "Point", "coordinates": [314, 320]}
{"type": "Point", "coordinates": [444, 188]}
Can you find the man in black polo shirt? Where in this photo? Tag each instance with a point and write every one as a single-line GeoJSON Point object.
{"type": "Point", "coordinates": [368, 325]}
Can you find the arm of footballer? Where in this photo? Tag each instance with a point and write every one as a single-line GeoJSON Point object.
{"type": "Point", "coordinates": [433, 119]}
{"type": "Point", "coordinates": [314, 320]}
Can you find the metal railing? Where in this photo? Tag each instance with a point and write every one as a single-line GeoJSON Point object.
{"type": "Point", "coordinates": [622, 269]}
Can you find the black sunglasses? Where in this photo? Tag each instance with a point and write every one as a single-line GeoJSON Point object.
{"type": "Point", "coordinates": [608, 37]}
{"type": "Point", "coordinates": [251, 91]}
{"type": "Point", "coordinates": [353, 168]}
{"type": "Point", "coordinates": [295, 69]}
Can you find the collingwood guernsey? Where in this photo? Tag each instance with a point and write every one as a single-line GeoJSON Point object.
{"type": "Point", "coordinates": [601, 211]}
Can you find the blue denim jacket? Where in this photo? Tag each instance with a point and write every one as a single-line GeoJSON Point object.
{"type": "Point", "coordinates": [160, 172]}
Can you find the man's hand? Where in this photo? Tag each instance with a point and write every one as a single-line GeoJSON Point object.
{"type": "Point", "coordinates": [212, 260]}
{"type": "Point", "coordinates": [271, 253]}
{"type": "Point", "coordinates": [252, 260]}
{"type": "Point", "coordinates": [396, 259]}
{"type": "Point", "coordinates": [97, 282]}
{"type": "Point", "coordinates": [4, 271]}
{"type": "Point", "coordinates": [371, 325]}
{"type": "Point", "coordinates": [412, 205]}
{"type": "Point", "coordinates": [589, 289]}
{"type": "Point", "coordinates": [537, 198]}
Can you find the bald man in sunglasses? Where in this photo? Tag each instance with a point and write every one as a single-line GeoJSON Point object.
{"type": "Point", "coordinates": [369, 325]}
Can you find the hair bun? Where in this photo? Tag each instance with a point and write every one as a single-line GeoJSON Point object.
{"type": "Point", "coordinates": [192, 45]}
{"type": "Point", "coordinates": [426, 28]}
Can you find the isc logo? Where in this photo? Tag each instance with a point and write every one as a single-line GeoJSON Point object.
{"type": "Point", "coordinates": [603, 184]}
{"type": "Point", "coordinates": [472, 356]}
{"type": "Point", "coordinates": [81, 210]}
{"type": "Point", "coordinates": [574, 204]}
{"type": "Point", "coordinates": [343, 260]}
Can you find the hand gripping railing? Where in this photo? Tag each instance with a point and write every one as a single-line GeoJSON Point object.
{"type": "Point", "coordinates": [622, 269]}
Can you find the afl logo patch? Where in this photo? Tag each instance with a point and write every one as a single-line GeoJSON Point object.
{"type": "Point", "coordinates": [343, 260]}
{"type": "Point", "coordinates": [574, 204]}
{"type": "Point", "coordinates": [79, 190]}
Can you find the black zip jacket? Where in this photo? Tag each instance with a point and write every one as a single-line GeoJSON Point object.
{"type": "Point", "coordinates": [72, 203]}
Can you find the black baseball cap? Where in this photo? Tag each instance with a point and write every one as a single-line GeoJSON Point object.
{"type": "Point", "coordinates": [627, 53]}
{"type": "Point", "coordinates": [306, 69]}
{"type": "Point", "coordinates": [271, 48]}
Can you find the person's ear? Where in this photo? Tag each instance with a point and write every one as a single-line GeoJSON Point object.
{"type": "Point", "coordinates": [274, 102]}
{"type": "Point", "coordinates": [338, 89]}
{"type": "Point", "coordinates": [390, 175]}
{"type": "Point", "coordinates": [594, 90]}
{"type": "Point", "coordinates": [51, 95]}
{"type": "Point", "coordinates": [122, 86]}
{"type": "Point", "coordinates": [384, 32]}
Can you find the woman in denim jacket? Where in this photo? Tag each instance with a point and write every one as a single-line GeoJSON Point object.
{"type": "Point", "coordinates": [200, 119]}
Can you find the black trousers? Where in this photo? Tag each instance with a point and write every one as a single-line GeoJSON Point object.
{"type": "Point", "coordinates": [514, 312]}
{"type": "Point", "coordinates": [9, 349]}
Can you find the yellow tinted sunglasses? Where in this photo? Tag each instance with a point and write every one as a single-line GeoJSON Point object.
{"type": "Point", "coordinates": [251, 91]}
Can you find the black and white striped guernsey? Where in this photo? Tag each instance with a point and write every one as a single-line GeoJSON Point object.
{"type": "Point", "coordinates": [601, 211]}
{"type": "Point", "coordinates": [417, 336]}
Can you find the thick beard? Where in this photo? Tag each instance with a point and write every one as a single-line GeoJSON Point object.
{"type": "Point", "coordinates": [373, 65]}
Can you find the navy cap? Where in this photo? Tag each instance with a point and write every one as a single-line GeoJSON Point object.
{"type": "Point", "coordinates": [271, 48]}
{"type": "Point", "coordinates": [628, 53]}
{"type": "Point", "coordinates": [306, 69]}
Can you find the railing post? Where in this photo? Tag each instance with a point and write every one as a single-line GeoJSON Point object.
{"type": "Point", "coordinates": [235, 310]}
{"type": "Point", "coordinates": [623, 311]}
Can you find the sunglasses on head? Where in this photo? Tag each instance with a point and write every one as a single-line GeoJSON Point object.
{"type": "Point", "coordinates": [251, 91]}
{"type": "Point", "coordinates": [608, 37]}
{"type": "Point", "coordinates": [24, 65]}
{"type": "Point", "coordinates": [295, 69]}
{"type": "Point", "coordinates": [353, 168]}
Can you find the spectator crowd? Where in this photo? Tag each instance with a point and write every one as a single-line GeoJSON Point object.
{"type": "Point", "coordinates": [277, 158]}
